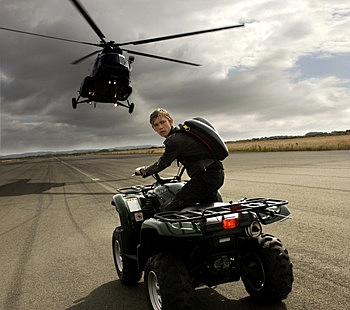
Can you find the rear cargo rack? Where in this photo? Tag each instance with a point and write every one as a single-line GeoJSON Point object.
{"type": "Point", "coordinates": [200, 212]}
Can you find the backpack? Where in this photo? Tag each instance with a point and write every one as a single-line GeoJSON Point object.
{"type": "Point", "coordinates": [203, 130]}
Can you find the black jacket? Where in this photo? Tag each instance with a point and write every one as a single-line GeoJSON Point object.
{"type": "Point", "coordinates": [188, 150]}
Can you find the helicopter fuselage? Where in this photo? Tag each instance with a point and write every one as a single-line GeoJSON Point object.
{"type": "Point", "coordinates": [109, 80]}
{"type": "Point", "coordinates": [111, 64]}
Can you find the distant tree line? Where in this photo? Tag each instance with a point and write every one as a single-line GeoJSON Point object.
{"type": "Point", "coordinates": [309, 134]}
{"type": "Point", "coordinates": [333, 133]}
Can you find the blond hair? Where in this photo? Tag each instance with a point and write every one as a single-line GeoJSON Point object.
{"type": "Point", "coordinates": [159, 112]}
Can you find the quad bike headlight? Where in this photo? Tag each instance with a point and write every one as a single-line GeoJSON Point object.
{"type": "Point", "coordinates": [254, 230]}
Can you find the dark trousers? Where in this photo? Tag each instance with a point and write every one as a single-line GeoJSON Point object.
{"type": "Point", "coordinates": [202, 188]}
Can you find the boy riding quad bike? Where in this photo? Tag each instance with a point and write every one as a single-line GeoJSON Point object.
{"type": "Point", "coordinates": [205, 244]}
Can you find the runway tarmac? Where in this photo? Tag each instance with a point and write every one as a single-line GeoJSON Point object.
{"type": "Point", "coordinates": [56, 222]}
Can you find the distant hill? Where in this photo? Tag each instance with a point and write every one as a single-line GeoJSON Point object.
{"type": "Point", "coordinates": [72, 152]}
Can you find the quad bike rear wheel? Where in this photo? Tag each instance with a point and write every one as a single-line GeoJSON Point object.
{"type": "Point", "coordinates": [167, 282]}
{"type": "Point", "coordinates": [126, 267]}
{"type": "Point", "coordinates": [267, 271]}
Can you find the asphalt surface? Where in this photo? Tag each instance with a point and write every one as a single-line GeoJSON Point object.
{"type": "Point", "coordinates": [56, 223]}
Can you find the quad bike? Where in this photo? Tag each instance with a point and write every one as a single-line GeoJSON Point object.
{"type": "Point", "coordinates": [206, 244]}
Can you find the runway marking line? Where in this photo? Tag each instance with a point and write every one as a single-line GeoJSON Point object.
{"type": "Point", "coordinates": [109, 188]}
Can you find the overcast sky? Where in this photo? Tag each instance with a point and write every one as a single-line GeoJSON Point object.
{"type": "Point", "coordinates": [287, 72]}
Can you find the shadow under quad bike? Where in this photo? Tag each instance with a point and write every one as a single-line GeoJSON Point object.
{"type": "Point", "coordinates": [206, 244]}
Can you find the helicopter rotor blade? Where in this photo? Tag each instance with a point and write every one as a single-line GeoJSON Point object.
{"type": "Point", "coordinates": [161, 57]}
{"type": "Point", "coordinates": [48, 37]}
{"type": "Point", "coordinates": [186, 34]}
{"type": "Point", "coordinates": [89, 20]}
{"type": "Point", "coordinates": [85, 57]}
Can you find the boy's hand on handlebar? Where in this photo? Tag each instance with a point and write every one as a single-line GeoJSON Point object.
{"type": "Point", "coordinates": [139, 171]}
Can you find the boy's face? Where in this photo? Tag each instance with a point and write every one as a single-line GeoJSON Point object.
{"type": "Point", "coordinates": [162, 126]}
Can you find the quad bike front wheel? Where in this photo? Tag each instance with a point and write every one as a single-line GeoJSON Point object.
{"type": "Point", "coordinates": [167, 283]}
{"type": "Point", "coordinates": [126, 267]}
{"type": "Point", "coordinates": [267, 272]}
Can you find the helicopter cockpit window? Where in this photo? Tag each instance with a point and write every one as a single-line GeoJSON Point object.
{"type": "Point", "coordinates": [122, 60]}
{"type": "Point", "coordinates": [111, 60]}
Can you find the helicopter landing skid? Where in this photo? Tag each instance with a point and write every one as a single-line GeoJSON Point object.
{"type": "Point", "coordinates": [129, 106]}
{"type": "Point", "coordinates": [75, 102]}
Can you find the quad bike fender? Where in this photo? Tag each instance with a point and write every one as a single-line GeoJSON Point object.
{"type": "Point", "coordinates": [282, 213]}
{"type": "Point", "coordinates": [126, 207]}
{"type": "Point", "coordinates": [155, 235]}
{"type": "Point", "coordinates": [167, 191]}
{"type": "Point", "coordinates": [183, 229]}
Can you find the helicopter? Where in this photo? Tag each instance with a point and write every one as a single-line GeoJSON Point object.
{"type": "Point", "coordinates": [109, 81]}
